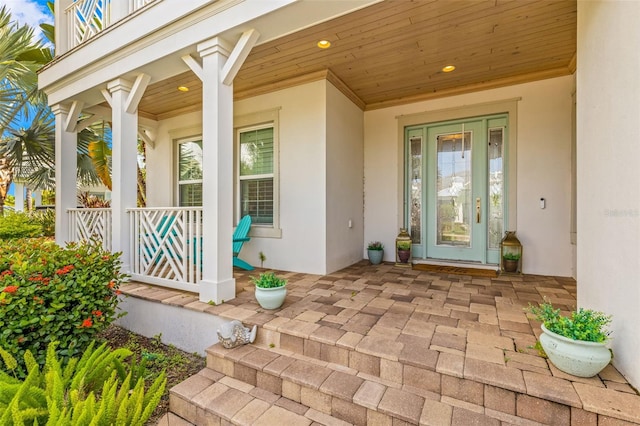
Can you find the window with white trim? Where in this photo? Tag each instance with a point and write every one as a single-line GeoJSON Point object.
{"type": "Point", "coordinates": [257, 172]}
{"type": "Point", "coordinates": [189, 172]}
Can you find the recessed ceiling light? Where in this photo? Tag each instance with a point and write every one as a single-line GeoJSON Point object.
{"type": "Point", "coordinates": [324, 44]}
{"type": "Point", "coordinates": [448, 68]}
{"type": "Point", "coordinates": [183, 88]}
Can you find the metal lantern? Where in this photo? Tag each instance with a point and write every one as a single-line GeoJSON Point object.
{"type": "Point", "coordinates": [403, 249]}
{"type": "Point", "coordinates": [510, 253]}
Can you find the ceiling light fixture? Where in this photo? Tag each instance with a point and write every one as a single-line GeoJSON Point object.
{"type": "Point", "coordinates": [324, 44]}
{"type": "Point", "coordinates": [448, 68]}
{"type": "Point", "coordinates": [183, 88]}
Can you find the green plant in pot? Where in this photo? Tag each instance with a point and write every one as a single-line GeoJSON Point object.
{"type": "Point", "coordinates": [510, 262]}
{"type": "Point", "coordinates": [404, 251]}
{"type": "Point", "coordinates": [375, 251]}
{"type": "Point", "coordinates": [575, 343]}
{"type": "Point", "coordinates": [270, 290]}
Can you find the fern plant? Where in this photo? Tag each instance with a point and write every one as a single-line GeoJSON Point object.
{"type": "Point", "coordinates": [93, 390]}
{"type": "Point", "coordinates": [583, 324]}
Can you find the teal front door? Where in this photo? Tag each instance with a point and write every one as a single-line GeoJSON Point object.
{"type": "Point", "coordinates": [455, 188]}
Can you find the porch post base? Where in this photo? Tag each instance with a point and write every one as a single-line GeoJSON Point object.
{"type": "Point", "coordinates": [217, 292]}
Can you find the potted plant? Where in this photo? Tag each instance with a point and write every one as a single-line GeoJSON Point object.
{"type": "Point", "coordinates": [576, 344]}
{"type": "Point", "coordinates": [404, 251]}
{"type": "Point", "coordinates": [270, 290]}
{"type": "Point", "coordinates": [510, 262]}
{"type": "Point", "coordinates": [375, 251]}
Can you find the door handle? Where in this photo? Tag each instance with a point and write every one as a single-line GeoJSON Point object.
{"type": "Point", "coordinates": [478, 209]}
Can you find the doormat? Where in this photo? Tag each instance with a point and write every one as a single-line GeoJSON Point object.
{"type": "Point", "coordinates": [455, 270]}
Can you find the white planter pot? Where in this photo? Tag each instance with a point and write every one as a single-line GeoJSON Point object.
{"type": "Point", "coordinates": [576, 357]}
{"type": "Point", "coordinates": [271, 298]}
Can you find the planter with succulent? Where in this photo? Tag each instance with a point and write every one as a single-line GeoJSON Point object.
{"type": "Point", "coordinates": [375, 251]}
{"type": "Point", "coordinates": [404, 251]}
{"type": "Point", "coordinates": [270, 290]}
{"type": "Point", "coordinates": [510, 262]}
{"type": "Point", "coordinates": [576, 344]}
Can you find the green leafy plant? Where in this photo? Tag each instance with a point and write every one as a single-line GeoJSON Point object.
{"type": "Point", "coordinates": [583, 324]}
{"type": "Point", "coordinates": [511, 256]}
{"type": "Point", "coordinates": [49, 293]}
{"type": "Point", "coordinates": [95, 389]}
{"type": "Point", "coordinates": [46, 219]}
{"type": "Point", "coordinates": [268, 280]}
{"type": "Point", "coordinates": [375, 245]}
{"type": "Point", "coordinates": [18, 225]}
{"type": "Point", "coordinates": [262, 257]}
{"type": "Point", "coordinates": [404, 245]}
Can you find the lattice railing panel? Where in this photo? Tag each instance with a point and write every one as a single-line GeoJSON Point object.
{"type": "Point", "coordinates": [86, 224]}
{"type": "Point", "coordinates": [86, 18]}
{"type": "Point", "coordinates": [166, 244]}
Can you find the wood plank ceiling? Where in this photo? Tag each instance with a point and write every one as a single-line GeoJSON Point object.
{"type": "Point", "coordinates": [393, 53]}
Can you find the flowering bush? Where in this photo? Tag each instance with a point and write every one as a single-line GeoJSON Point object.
{"type": "Point", "coordinates": [54, 294]}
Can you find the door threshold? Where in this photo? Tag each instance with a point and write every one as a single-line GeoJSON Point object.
{"type": "Point", "coordinates": [456, 263]}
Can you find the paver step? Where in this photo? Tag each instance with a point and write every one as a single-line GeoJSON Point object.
{"type": "Point", "coordinates": [209, 398]}
{"type": "Point", "coordinates": [480, 391]}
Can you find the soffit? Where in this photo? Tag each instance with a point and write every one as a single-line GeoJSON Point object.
{"type": "Point", "coordinates": [393, 52]}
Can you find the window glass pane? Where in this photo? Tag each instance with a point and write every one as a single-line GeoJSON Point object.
{"type": "Point", "coordinates": [190, 160]}
{"type": "Point", "coordinates": [416, 189]}
{"type": "Point", "coordinates": [256, 200]}
{"type": "Point", "coordinates": [190, 194]}
{"type": "Point", "coordinates": [256, 152]}
{"type": "Point", "coordinates": [496, 187]}
{"type": "Point", "coordinates": [454, 189]}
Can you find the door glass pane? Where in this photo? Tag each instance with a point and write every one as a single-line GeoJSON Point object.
{"type": "Point", "coordinates": [453, 188]}
{"type": "Point", "coordinates": [416, 189]}
{"type": "Point", "coordinates": [496, 187]}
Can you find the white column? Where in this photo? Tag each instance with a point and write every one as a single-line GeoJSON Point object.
{"type": "Point", "coordinates": [37, 197]}
{"type": "Point", "coordinates": [218, 283]}
{"type": "Point", "coordinates": [66, 164]}
{"type": "Point", "coordinates": [608, 198]}
{"type": "Point", "coordinates": [18, 193]}
{"type": "Point", "coordinates": [119, 10]}
{"type": "Point", "coordinates": [123, 170]}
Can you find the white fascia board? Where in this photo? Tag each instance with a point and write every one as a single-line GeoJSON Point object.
{"type": "Point", "coordinates": [151, 36]}
{"type": "Point", "coordinates": [132, 48]}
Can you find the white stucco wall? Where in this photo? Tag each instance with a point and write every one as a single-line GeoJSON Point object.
{"type": "Point", "coordinates": [543, 170]}
{"type": "Point", "coordinates": [608, 173]}
{"type": "Point", "coordinates": [345, 171]}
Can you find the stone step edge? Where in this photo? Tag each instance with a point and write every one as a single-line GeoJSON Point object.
{"type": "Point", "coordinates": [571, 393]}
{"type": "Point", "coordinates": [300, 385]}
{"type": "Point", "coordinates": [210, 396]}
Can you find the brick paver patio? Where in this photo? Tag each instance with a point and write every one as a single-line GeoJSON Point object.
{"type": "Point", "coordinates": [382, 345]}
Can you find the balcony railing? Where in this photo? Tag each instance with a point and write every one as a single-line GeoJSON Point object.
{"type": "Point", "coordinates": [166, 246]}
{"type": "Point", "coordinates": [86, 224]}
{"type": "Point", "coordinates": [86, 18]}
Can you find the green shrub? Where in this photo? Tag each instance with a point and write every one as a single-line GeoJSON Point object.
{"type": "Point", "coordinates": [404, 245]}
{"type": "Point", "coordinates": [54, 294]}
{"type": "Point", "coordinates": [18, 225]}
{"type": "Point", "coordinates": [268, 280]}
{"type": "Point", "coordinates": [95, 389]}
{"type": "Point", "coordinates": [46, 219]}
{"type": "Point", "coordinates": [583, 324]}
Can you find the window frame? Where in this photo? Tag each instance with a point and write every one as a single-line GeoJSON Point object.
{"type": "Point", "coordinates": [179, 182]}
{"type": "Point", "coordinates": [247, 123]}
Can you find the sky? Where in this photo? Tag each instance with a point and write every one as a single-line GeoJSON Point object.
{"type": "Point", "coordinates": [30, 12]}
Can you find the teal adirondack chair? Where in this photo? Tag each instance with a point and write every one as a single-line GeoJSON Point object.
{"type": "Point", "coordinates": [239, 238]}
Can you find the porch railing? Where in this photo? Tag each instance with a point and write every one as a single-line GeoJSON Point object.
{"type": "Point", "coordinates": [86, 18]}
{"type": "Point", "coordinates": [85, 224]}
{"type": "Point", "coordinates": [166, 246]}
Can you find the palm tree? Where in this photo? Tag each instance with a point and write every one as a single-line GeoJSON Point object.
{"type": "Point", "coordinates": [20, 57]}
